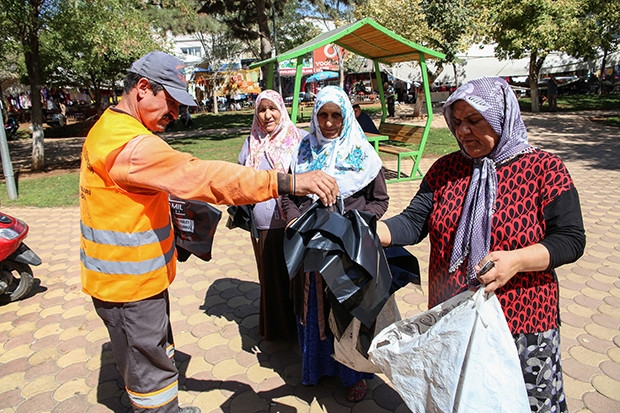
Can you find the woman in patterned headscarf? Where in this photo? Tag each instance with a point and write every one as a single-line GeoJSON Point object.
{"type": "Point", "coordinates": [502, 201]}
{"type": "Point", "coordinates": [337, 145]}
{"type": "Point", "coordinates": [271, 144]}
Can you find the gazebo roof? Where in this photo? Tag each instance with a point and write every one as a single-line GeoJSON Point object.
{"type": "Point", "coordinates": [368, 39]}
{"type": "Point", "coordinates": [365, 38]}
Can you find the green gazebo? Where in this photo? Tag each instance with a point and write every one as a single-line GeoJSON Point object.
{"type": "Point", "coordinates": [365, 38]}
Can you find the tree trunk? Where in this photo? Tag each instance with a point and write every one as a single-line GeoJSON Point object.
{"type": "Point", "coordinates": [417, 107]}
{"type": "Point", "coordinates": [214, 98]}
{"type": "Point", "coordinates": [533, 81]}
{"type": "Point", "coordinates": [96, 86]}
{"type": "Point", "coordinates": [456, 78]}
{"type": "Point", "coordinates": [31, 55]}
{"type": "Point", "coordinates": [602, 73]}
{"type": "Point", "coordinates": [265, 36]}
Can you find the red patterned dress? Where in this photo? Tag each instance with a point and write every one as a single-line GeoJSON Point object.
{"type": "Point", "coordinates": [536, 203]}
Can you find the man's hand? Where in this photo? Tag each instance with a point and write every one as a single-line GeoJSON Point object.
{"type": "Point", "coordinates": [319, 183]}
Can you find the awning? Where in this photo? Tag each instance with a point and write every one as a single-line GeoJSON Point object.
{"type": "Point", "coordinates": [320, 76]}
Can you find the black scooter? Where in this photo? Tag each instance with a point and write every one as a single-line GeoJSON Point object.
{"type": "Point", "coordinates": [11, 125]}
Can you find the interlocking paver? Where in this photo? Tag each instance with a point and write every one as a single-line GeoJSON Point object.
{"type": "Point", "coordinates": [598, 403]}
{"type": "Point", "coordinates": [55, 353]}
{"type": "Point", "coordinates": [39, 385]}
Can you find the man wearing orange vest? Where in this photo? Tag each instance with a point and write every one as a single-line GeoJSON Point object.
{"type": "Point", "coordinates": [128, 256]}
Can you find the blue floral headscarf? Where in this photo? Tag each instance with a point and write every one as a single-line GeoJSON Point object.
{"type": "Point", "coordinates": [349, 158]}
{"type": "Point", "coordinates": [493, 98]}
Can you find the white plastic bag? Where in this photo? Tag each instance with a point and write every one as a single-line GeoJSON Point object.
{"type": "Point", "coordinates": [457, 357]}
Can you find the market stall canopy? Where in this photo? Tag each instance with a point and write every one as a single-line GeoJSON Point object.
{"type": "Point", "coordinates": [365, 38]}
{"type": "Point", "coordinates": [230, 81]}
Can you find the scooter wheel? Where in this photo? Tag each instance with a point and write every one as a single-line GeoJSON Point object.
{"type": "Point", "coordinates": [23, 280]}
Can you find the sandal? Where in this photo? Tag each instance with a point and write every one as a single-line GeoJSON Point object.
{"type": "Point", "coordinates": [357, 392]}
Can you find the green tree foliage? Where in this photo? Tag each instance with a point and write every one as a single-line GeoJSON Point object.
{"type": "Point", "coordinates": [84, 49]}
{"type": "Point", "coordinates": [11, 62]}
{"type": "Point", "coordinates": [24, 21]}
{"type": "Point", "coordinates": [531, 28]}
{"type": "Point", "coordinates": [249, 20]}
{"type": "Point", "coordinates": [174, 16]}
{"type": "Point", "coordinates": [292, 29]}
{"type": "Point", "coordinates": [447, 26]}
{"type": "Point", "coordinates": [598, 31]}
{"type": "Point", "coordinates": [334, 13]}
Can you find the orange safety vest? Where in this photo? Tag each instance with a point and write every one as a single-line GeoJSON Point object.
{"type": "Point", "coordinates": [127, 245]}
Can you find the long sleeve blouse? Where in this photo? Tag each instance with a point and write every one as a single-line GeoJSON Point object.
{"type": "Point", "coordinates": [536, 203]}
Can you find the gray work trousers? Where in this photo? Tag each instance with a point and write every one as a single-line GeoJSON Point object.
{"type": "Point", "coordinates": [142, 345]}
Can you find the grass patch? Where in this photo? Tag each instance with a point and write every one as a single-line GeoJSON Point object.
{"type": "Point", "coordinates": [440, 141]}
{"type": "Point", "coordinates": [607, 120]}
{"type": "Point", "coordinates": [612, 121]}
{"type": "Point", "coordinates": [224, 147]}
{"type": "Point", "coordinates": [574, 103]}
{"type": "Point", "coordinates": [204, 121]}
{"type": "Point", "coordinates": [50, 191]}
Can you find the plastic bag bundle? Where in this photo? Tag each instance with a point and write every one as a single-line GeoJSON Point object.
{"type": "Point", "coordinates": [457, 357]}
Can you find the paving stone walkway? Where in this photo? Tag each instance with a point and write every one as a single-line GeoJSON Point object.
{"type": "Point", "coordinates": [55, 354]}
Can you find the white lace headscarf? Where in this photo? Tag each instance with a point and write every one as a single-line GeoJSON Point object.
{"type": "Point", "coordinates": [349, 158]}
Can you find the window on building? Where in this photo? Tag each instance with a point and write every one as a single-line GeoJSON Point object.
{"type": "Point", "coordinates": [192, 51]}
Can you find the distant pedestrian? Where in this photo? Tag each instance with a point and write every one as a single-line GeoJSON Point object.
{"type": "Point", "coordinates": [364, 120]}
{"type": "Point", "coordinates": [186, 119]}
{"type": "Point", "coordinates": [388, 91]}
{"type": "Point", "coordinates": [552, 93]}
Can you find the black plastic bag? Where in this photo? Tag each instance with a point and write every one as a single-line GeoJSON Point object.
{"type": "Point", "coordinates": [346, 251]}
{"type": "Point", "coordinates": [240, 216]}
{"type": "Point", "coordinates": [194, 224]}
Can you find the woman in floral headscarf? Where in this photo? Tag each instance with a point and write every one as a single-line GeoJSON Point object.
{"type": "Point", "coordinates": [337, 145]}
{"type": "Point", "coordinates": [271, 144]}
{"type": "Point", "coordinates": [499, 200]}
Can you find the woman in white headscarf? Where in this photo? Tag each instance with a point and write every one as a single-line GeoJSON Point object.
{"type": "Point", "coordinates": [337, 145]}
{"type": "Point", "coordinates": [503, 204]}
{"type": "Point", "coordinates": [271, 144]}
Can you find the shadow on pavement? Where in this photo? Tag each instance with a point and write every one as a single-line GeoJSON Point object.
{"type": "Point", "coordinates": [576, 138]}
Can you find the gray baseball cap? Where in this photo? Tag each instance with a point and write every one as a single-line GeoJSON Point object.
{"type": "Point", "coordinates": [167, 70]}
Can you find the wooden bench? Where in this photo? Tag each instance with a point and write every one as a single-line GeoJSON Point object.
{"type": "Point", "coordinates": [303, 108]}
{"type": "Point", "coordinates": [406, 142]}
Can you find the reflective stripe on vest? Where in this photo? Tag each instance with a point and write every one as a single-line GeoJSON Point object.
{"type": "Point", "coordinates": [170, 351]}
{"type": "Point", "coordinates": [154, 399]}
{"type": "Point", "coordinates": [123, 239]}
{"type": "Point", "coordinates": [126, 267]}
